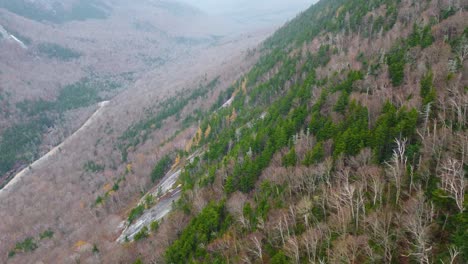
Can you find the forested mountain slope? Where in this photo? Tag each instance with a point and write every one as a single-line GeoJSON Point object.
{"type": "Point", "coordinates": [345, 143]}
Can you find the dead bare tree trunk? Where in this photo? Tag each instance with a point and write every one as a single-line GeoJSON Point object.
{"type": "Point", "coordinates": [257, 248]}
{"type": "Point", "coordinates": [292, 249]}
{"type": "Point", "coordinates": [380, 223]}
{"type": "Point", "coordinates": [453, 181]}
{"type": "Point", "coordinates": [417, 222]}
{"type": "Point", "coordinates": [397, 166]}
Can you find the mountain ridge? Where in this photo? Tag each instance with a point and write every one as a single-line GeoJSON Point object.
{"type": "Point", "coordinates": [340, 139]}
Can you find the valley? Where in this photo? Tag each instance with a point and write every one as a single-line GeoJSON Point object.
{"type": "Point", "coordinates": [208, 135]}
{"type": "Point", "coordinates": [60, 183]}
{"type": "Point", "coordinates": [79, 161]}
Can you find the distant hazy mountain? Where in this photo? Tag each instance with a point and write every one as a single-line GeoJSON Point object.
{"type": "Point", "coordinates": [57, 11]}
{"type": "Point", "coordinates": [230, 6]}
{"type": "Point", "coordinates": [71, 10]}
{"type": "Point", "coordinates": [258, 13]}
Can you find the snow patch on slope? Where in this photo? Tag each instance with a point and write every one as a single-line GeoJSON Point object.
{"type": "Point", "coordinates": [18, 41]}
{"type": "Point", "coordinates": [5, 34]}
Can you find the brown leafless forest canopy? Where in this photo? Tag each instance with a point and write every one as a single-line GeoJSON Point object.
{"type": "Point", "coordinates": [339, 138]}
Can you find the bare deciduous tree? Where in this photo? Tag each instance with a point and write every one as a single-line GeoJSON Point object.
{"type": "Point", "coordinates": [417, 222]}
{"type": "Point", "coordinates": [454, 252]}
{"type": "Point", "coordinates": [340, 200]}
{"type": "Point", "coordinates": [359, 203]}
{"type": "Point", "coordinates": [291, 249]}
{"type": "Point", "coordinates": [257, 247]}
{"type": "Point", "coordinates": [397, 165]}
{"type": "Point", "coordinates": [380, 224]}
{"type": "Point", "coordinates": [453, 181]}
{"type": "Point", "coordinates": [312, 239]}
{"type": "Point", "coordinates": [377, 184]}
{"type": "Point", "coordinates": [347, 248]}
{"type": "Point", "coordinates": [462, 50]}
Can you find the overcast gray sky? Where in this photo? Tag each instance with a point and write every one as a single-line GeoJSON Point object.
{"type": "Point", "coordinates": [234, 6]}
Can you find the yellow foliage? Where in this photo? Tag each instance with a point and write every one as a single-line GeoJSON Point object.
{"type": "Point", "coordinates": [208, 131]}
{"type": "Point", "coordinates": [107, 187]}
{"type": "Point", "coordinates": [80, 243]}
{"type": "Point", "coordinates": [244, 86]}
{"type": "Point", "coordinates": [188, 146]}
{"type": "Point", "coordinates": [129, 168]}
{"type": "Point", "coordinates": [227, 236]}
{"type": "Point", "coordinates": [176, 162]}
{"type": "Point", "coordinates": [338, 12]}
{"type": "Point", "coordinates": [233, 116]}
{"type": "Point", "coordinates": [198, 137]}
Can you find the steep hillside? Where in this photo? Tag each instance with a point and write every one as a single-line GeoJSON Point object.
{"type": "Point", "coordinates": [345, 143]}
{"type": "Point", "coordinates": [341, 139]}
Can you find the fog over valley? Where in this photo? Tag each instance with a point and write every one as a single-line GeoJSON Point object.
{"type": "Point", "coordinates": [255, 12]}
